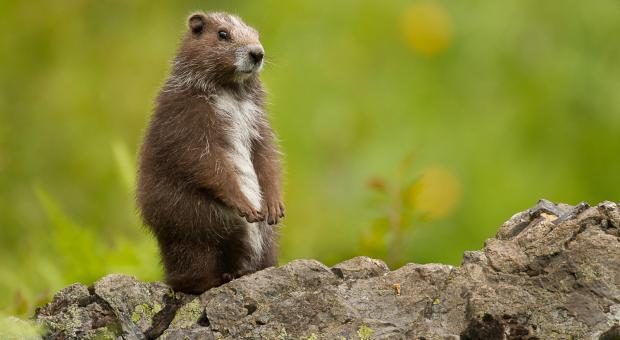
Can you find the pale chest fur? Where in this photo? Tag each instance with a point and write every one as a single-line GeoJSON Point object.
{"type": "Point", "coordinates": [240, 117]}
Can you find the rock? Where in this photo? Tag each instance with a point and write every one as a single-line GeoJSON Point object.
{"type": "Point", "coordinates": [551, 272]}
{"type": "Point", "coordinates": [360, 267]}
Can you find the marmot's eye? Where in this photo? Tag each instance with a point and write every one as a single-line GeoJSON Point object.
{"type": "Point", "coordinates": [223, 35]}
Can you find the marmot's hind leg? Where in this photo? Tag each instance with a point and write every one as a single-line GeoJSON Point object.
{"type": "Point", "coordinates": [238, 256]}
{"type": "Point", "coordinates": [269, 256]}
{"type": "Point", "coordinates": [191, 267]}
{"type": "Point", "coordinates": [249, 260]}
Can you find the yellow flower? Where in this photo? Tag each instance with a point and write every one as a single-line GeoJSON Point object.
{"type": "Point", "coordinates": [436, 194]}
{"type": "Point", "coordinates": [427, 27]}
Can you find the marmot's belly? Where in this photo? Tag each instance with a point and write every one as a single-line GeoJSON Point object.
{"type": "Point", "coordinates": [248, 183]}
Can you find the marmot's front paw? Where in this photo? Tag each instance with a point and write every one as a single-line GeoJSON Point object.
{"type": "Point", "coordinates": [273, 211]}
{"type": "Point", "coordinates": [250, 214]}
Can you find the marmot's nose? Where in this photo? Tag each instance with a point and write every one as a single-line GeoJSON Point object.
{"type": "Point", "coordinates": [257, 56]}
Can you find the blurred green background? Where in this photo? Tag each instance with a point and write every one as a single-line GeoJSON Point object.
{"type": "Point", "coordinates": [411, 129]}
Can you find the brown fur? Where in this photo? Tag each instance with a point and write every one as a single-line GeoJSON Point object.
{"type": "Point", "coordinates": [188, 191]}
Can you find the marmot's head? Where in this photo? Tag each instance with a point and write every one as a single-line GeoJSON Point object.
{"type": "Point", "coordinates": [221, 48]}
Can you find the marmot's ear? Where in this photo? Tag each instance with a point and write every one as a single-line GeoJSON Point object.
{"type": "Point", "coordinates": [197, 22]}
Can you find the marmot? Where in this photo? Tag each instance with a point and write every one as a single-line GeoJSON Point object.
{"type": "Point", "coordinates": [209, 175]}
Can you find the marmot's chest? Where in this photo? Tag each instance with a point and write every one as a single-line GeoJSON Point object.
{"type": "Point", "coordinates": [239, 117]}
{"type": "Point", "coordinates": [240, 127]}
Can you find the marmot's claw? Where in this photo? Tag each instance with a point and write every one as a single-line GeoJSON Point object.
{"type": "Point", "coordinates": [273, 213]}
{"type": "Point", "coordinates": [254, 216]}
{"type": "Point", "coordinates": [250, 214]}
{"type": "Point", "coordinates": [281, 209]}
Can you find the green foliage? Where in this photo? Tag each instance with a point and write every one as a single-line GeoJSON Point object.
{"type": "Point", "coordinates": [76, 246]}
{"type": "Point", "coordinates": [502, 102]}
{"type": "Point", "coordinates": [78, 253]}
{"type": "Point", "coordinates": [14, 328]}
{"type": "Point", "coordinates": [394, 216]}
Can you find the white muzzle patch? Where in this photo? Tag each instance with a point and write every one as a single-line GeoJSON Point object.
{"type": "Point", "coordinates": [249, 59]}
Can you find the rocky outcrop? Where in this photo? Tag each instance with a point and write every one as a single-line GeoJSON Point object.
{"type": "Point", "coordinates": [551, 272]}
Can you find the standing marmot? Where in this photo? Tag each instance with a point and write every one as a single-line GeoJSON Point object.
{"type": "Point", "coordinates": [209, 178]}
